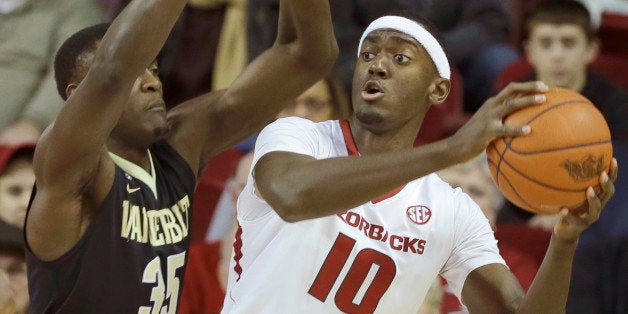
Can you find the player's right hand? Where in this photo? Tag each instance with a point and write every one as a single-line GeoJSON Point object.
{"type": "Point", "coordinates": [487, 123]}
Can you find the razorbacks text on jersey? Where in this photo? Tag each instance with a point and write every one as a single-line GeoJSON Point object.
{"type": "Point", "coordinates": [380, 257]}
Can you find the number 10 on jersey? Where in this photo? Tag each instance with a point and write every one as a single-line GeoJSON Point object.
{"type": "Point", "coordinates": [360, 290]}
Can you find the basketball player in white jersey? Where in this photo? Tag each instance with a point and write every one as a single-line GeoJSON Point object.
{"type": "Point", "coordinates": [344, 216]}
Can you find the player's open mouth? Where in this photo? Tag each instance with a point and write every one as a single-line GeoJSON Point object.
{"type": "Point", "coordinates": [372, 91]}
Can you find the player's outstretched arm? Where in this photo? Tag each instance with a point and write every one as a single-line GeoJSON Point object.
{"type": "Point", "coordinates": [70, 166]}
{"type": "Point", "coordinates": [304, 51]}
{"type": "Point", "coordinates": [299, 187]}
{"type": "Point", "coordinates": [494, 289]}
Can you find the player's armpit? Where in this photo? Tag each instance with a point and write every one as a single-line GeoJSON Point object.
{"type": "Point", "coordinates": [492, 289]}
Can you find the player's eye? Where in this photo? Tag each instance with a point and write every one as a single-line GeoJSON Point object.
{"type": "Point", "coordinates": [399, 58]}
{"type": "Point", "coordinates": [368, 56]}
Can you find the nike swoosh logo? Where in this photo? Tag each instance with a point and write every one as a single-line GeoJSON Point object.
{"type": "Point", "coordinates": [130, 190]}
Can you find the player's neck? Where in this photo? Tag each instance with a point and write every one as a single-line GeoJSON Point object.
{"type": "Point", "coordinates": [135, 154]}
{"type": "Point", "coordinates": [369, 141]}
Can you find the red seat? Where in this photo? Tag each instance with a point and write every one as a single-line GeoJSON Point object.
{"type": "Point", "coordinates": [202, 292]}
{"type": "Point", "coordinates": [210, 188]}
{"type": "Point", "coordinates": [613, 33]}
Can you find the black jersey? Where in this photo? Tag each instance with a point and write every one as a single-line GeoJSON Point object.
{"type": "Point", "coordinates": [133, 255]}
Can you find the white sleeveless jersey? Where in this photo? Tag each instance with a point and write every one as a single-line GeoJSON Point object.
{"type": "Point", "coordinates": [380, 257]}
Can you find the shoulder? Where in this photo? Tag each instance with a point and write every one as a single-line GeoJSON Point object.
{"type": "Point", "coordinates": [301, 136]}
{"type": "Point", "coordinates": [296, 126]}
{"type": "Point", "coordinates": [455, 199]}
{"type": "Point", "coordinates": [292, 122]}
{"type": "Point", "coordinates": [439, 188]}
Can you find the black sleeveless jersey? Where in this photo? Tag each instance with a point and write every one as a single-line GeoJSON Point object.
{"type": "Point", "coordinates": [133, 255]}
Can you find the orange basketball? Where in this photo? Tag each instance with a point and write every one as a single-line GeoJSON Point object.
{"type": "Point", "coordinates": [566, 151]}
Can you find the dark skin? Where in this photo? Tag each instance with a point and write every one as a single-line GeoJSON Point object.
{"type": "Point", "coordinates": [116, 106]}
{"type": "Point", "coordinates": [384, 128]}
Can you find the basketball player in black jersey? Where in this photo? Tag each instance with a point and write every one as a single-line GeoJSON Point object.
{"type": "Point", "coordinates": [109, 223]}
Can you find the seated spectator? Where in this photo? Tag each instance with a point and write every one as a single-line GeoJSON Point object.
{"type": "Point", "coordinates": [16, 182]}
{"type": "Point", "coordinates": [560, 46]}
{"type": "Point", "coordinates": [32, 31]}
{"type": "Point", "coordinates": [13, 265]}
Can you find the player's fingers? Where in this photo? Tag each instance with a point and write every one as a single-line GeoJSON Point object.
{"type": "Point", "coordinates": [595, 207]}
{"type": "Point", "coordinates": [607, 188]}
{"type": "Point", "coordinates": [614, 169]}
{"type": "Point", "coordinates": [516, 88]}
{"type": "Point", "coordinates": [573, 219]}
{"type": "Point", "coordinates": [513, 104]}
{"type": "Point", "coordinates": [513, 130]}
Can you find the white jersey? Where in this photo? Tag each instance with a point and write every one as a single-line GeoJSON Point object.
{"type": "Point", "coordinates": [380, 257]}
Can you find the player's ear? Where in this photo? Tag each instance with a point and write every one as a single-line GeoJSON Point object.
{"type": "Point", "coordinates": [70, 89]}
{"type": "Point", "coordinates": [438, 90]}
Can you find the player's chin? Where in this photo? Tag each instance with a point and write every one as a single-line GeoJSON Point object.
{"type": "Point", "coordinates": [160, 131]}
{"type": "Point", "coordinates": [369, 117]}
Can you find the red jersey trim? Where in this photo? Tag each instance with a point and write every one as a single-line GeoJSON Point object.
{"type": "Point", "coordinates": [352, 149]}
{"type": "Point", "coordinates": [237, 248]}
{"type": "Point", "coordinates": [349, 141]}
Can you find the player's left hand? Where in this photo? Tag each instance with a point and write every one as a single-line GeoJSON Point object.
{"type": "Point", "coordinates": [573, 222]}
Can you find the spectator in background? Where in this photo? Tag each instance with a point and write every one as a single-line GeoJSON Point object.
{"type": "Point", "coordinates": [477, 35]}
{"type": "Point", "coordinates": [13, 268]}
{"type": "Point", "coordinates": [30, 33]}
{"type": "Point", "coordinates": [560, 45]}
{"type": "Point", "coordinates": [16, 182]}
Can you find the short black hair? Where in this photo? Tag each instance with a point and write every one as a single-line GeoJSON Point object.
{"type": "Point", "coordinates": [66, 60]}
{"type": "Point", "coordinates": [561, 12]}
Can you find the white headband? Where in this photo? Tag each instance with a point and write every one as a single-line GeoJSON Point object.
{"type": "Point", "coordinates": [417, 32]}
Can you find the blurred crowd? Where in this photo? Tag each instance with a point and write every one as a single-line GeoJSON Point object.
{"type": "Point", "coordinates": [580, 45]}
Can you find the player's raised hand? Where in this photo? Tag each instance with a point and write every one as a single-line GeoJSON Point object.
{"type": "Point", "coordinates": [487, 123]}
{"type": "Point", "coordinates": [573, 222]}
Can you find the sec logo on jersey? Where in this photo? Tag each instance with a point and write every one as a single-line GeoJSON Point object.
{"type": "Point", "coordinates": [419, 214]}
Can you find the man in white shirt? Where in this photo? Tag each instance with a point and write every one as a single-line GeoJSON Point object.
{"type": "Point", "coordinates": [345, 216]}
